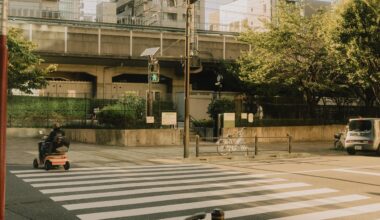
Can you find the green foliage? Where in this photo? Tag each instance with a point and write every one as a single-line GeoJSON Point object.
{"type": "Point", "coordinates": [358, 35]}
{"type": "Point", "coordinates": [292, 53]}
{"type": "Point", "coordinates": [24, 68]}
{"type": "Point", "coordinates": [218, 106]}
{"type": "Point", "coordinates": [203, 123]}
{"type": "Point", "coordinates": [42, 111]}
{"type": "Point", "coordinates": [127, 113]}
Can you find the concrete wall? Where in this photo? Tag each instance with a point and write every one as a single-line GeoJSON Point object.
{"type": "Point", "coordinates": [126, 138]}
{"type": "Point", "coordinates": [167, 137]}
{"type": "Point", "coordinates": [298, 133]}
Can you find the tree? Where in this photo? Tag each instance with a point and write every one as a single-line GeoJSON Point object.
{"type": "Point", "coordinates": [291, 52]}
{"type": "Point", "coordinates": [24, 69]}
{"type": "Point", "coordinates": [359, 38]}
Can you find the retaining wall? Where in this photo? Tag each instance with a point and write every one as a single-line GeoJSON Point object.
{"type": "Point", "coordinates": [167, 137]}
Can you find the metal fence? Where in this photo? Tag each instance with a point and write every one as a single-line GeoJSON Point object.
{"type": "Point", "coordinates": [43, 111]}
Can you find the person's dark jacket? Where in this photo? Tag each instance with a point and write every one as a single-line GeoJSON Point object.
{"type": "Point", "coordinates": [54, 133]}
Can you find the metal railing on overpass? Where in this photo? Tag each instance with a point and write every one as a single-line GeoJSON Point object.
{"type": "Point", "coordinates": [116, 25]}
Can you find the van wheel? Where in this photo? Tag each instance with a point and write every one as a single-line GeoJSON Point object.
{"type": "Point", "coordinates": [351, 151]}
{"type": "Point", "coordinates": [378, 151]}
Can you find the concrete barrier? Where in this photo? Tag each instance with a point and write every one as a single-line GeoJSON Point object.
{"type": "Point", "coordinates": [298, 133]}
{"type": "Point", "coordinates": [170, 137]}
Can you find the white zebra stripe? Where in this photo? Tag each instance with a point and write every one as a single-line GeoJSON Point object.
{"type": "Point", "coordinates": [219, 192]}
{"type": "Point", "coordinates": [357, 172]}
{"type": "Point", "coordinates": [151, 183]}
{"type": "Point", "coordinates": [49, 179]}
{"type": "Point", "coordinates": [356, 210]}
{"type": "Point", "coordinates": [202, 204]}
{"type": "Point", "coordinates": [58, 174]}
{"type": "Point", "coordinates": [163, 189]}
{"type": "Point", "coordinates": [284, 206]}
{"type": "Point", "coordinates": [105, 168]}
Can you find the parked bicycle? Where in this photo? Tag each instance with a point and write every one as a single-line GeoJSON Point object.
{"type": "Point", "coordinates": [227, 145]}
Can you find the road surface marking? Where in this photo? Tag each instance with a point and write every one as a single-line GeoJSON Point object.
{"type": "Point", "coordinates": [88, 172]}
{"type": "Point", "coordinates": [136, 175]}
{"type": "Point", "coordinates": [356, 210]}
{"type": "Point", "coordinates": [164, 189]}
{"type": "Point", "coordinates": [202, 204]}
{"type": "Point", "coordinates": [218, 192]}
{"type": "Point", "coordinates": [107, 168]}
{"type": "Point", "coordinates": [284, 206]}
{"type": "Point", "coordinates": [357, 172]}
{"type": "Point", "coordinates": [151, 182]}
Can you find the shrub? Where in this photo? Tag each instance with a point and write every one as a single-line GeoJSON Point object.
{"type": "Point", "coordinates": [203, 123]}
{"type": "Point", "coordinates": [218, 106]}
{"type": "Point", "coordinates": [128, 112]}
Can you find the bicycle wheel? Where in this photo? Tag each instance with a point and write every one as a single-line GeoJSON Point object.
{"type": "Point", "coordinates": [223, 147]}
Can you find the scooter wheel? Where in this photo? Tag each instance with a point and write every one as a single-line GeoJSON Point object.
{"type": "Point", "coordinates": [35, 163]}
{"type": "Point", "coordinates": [67, 165]}
{"type": "Point", "coordinates": [48, 165]}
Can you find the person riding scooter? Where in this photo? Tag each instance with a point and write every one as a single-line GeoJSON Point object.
{"type": "Point", "coordinates": [50, 144]}
{"type": "Point", "coordinates": [52, 150]}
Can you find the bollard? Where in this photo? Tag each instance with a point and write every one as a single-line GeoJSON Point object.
{"type": "Point", "coordinates": [217, 214]}
{"type": "Point", "coordinates": [256, 149]}
{"type": "Point", "coordinates": [196, 145]}
{"type": "Point", "coordinates": [290, 144]}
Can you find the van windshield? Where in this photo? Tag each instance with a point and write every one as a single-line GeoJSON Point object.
{"type": "Point", "coordinates": [360, 125]}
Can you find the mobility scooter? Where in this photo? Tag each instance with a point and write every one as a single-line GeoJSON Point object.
{"type": "Point", "coordinates": [52, 154]}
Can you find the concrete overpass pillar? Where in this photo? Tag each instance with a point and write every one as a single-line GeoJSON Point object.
{"type": "Point", "coordinates": [104, 82]}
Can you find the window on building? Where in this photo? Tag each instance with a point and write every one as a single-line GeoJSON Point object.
{"type": "Point", "coordinates": [171, 3]}
{"type": "Point", "coordinates": [171, 16]}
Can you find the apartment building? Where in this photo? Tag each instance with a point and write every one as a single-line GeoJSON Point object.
{"type": "Point", "coordinates": [106, 12]}
{"type": "Point", "coordinates": [167, 13]}
{"type": "Point", "coordinates": [35, 8]}
{"type": "Point", "coordinates": [239, 15]}
{"type": "Point", "coordinates": [71, 9]}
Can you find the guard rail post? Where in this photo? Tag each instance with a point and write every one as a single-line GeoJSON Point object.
{"type": "Point", "coordinates": [256, 149]}
{"type": "Point", "coordinates": [290, 143]}
{"type": "Point", "coordinates": [196, 145]}
{"type": "Point", "coordinates": [217, 214]}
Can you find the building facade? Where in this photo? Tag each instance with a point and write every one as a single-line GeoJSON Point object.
{"type": "Point", "coordinates": [166, 13]}
{"type": "Point", "coordinates": [239, 15]}
{"type": "Point", "coordinates": [106, 12]}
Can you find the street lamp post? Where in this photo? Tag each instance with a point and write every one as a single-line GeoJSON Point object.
{"type": "Point", "coordinates": [3, 100]}
{"type": "Point", "coordinates": [189, 4]}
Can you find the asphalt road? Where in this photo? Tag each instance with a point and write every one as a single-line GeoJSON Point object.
{"type": "Point", "coordinates": [314, 182]}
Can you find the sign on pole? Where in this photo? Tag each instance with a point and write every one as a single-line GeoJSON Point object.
{"type": "Point", "coordinates": [169, 118]}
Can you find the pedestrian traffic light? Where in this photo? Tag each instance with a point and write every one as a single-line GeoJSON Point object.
{"type": "Point", "coordinates": [154, 71]}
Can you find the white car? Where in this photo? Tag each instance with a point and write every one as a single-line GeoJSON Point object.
{"type": "Point", "coordinates": [363, 135]}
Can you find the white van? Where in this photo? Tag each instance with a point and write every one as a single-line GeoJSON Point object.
{"type": "Point", "coordinates": [363, 135]}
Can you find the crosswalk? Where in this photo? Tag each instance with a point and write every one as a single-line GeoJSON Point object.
{"type": "Point", "coordinates": [179, 190]}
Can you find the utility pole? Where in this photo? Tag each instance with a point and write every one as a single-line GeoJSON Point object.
{"type": "Point", "coordinates": [189, 6]}
{"type": "Point", "coordinates": [3, 100]}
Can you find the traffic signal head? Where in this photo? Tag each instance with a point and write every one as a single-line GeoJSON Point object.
{"type": "Point", "coordinates": [154, 71]}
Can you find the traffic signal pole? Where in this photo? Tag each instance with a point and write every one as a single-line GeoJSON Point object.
{"type": "Point", "coordinates": [150, 102]}
{"type": "Point", "coordinates": [3, 101]}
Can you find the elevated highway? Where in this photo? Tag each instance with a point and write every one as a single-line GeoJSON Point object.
{"type": "Point", "coordinates": [103, 60]}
